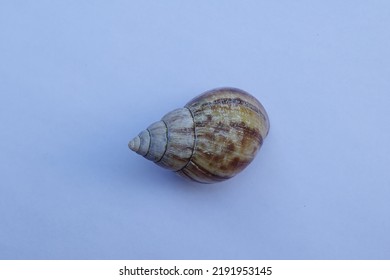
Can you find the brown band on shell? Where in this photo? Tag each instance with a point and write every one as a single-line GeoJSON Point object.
{"type": "Point", "coordinates": [194, 143]}
{"type": "Point", "coordinates": [235, 101]}
{"type": "Point", "coordinates": [230, 95]}
{"type": "Point", "coordinates": [229, 102]}
{"type": "Point", "coordinates": [201, 174]}
{"type": "Point", "coordinates": [248, 131]}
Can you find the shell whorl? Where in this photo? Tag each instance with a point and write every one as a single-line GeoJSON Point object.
{"type": "Point", "coordinates": [169, 142]}
{"type": "Point", "coordinates": [214, 137]}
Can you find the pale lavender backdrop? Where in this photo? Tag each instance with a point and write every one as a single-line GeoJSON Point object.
{"type": "Point", "coordinates": [78, 79]}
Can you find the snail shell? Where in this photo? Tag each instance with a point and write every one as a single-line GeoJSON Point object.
{"type": "Point", "coordinates": [214, 137]}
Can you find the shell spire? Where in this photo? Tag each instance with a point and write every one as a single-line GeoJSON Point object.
{"type": "Point", "coordinates": [134, 144]}
{"type": "Point", "coordinates": [140, 144]}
